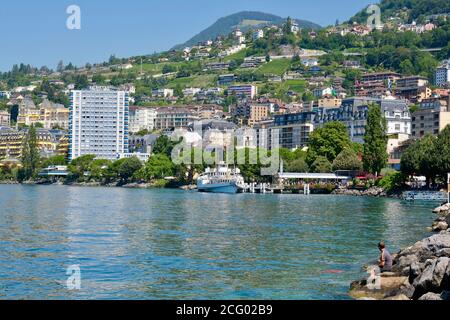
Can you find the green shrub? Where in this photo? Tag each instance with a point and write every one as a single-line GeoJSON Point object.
{"type": "Point", "coordinates": [392, 181]}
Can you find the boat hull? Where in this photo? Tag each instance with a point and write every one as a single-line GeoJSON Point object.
{"type": "Point", "coordinates": [219, 188]}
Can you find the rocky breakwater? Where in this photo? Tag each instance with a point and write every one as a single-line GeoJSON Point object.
{"type": "Point", "coordinates": [442, 222]}
{"type": "Point", "coordinates": [420, 272]}
{"type": "Point", "coordinates": [371, 192]}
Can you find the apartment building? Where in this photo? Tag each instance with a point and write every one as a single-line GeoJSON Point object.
{"type": "Point", "coordinates": [251, 113]}
{"type": "Point", "coordinates": [381, 76]}
{"type": "Point", "coordinates": [249, 91]}
{"type": "Point", "coordinates": [329, 103]}
{"type": "Point", "coordinates": [142, 118]}
{"type": "Point", "coordinates": [413, 88]}
{"type": "Point", "coordinates": [98, 123]}
{"type": "Point", "coordinates": [432, 117]}
{"type": "Point", "coordinates": [4, 118]}
{"type": "Point", "coordinates": [293, 129]}
{"type": "Point", "coordinates": [226, 79]}
{"type": "Point", "coordinates": [442, 75]}
{"type": "Point", "coordinates": [173, 118]}
{"type": "Point", "coordinates": [258, 34]}
{"type": "Point", "coordinates": [163, 93]}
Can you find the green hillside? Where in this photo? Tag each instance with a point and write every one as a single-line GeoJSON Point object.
{"type": "Point", "coordinates": [244, 20]}
{"type": "Point", "coordinates": [410, 9]}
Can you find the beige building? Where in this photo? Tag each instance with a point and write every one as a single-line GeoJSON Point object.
{"type": "Point", "coordinates": [29, 114]}
{"type": "Point", "coordinates": [50, 142]}
{"type": "Point", "coordinates": [251, 113]}
{"type": "Point", "coordinates": [54, 115]}
{"type": "Point", "coordinates": [257, 113]}
{"type": "Point", "coordinates": [413, 88]}
{"type": "Point", "coordinates": [49, 114]}
{"type": "Point", "coordinates": [4, 118]}
{"type": "Point", "coordinates": [329, 103]}
{"type": "Point", "coordinates": [432, 117]}
{"type": "Point", "coordinates": [168, 118]}
{"type": "Point", "coordinates": [394, 149]}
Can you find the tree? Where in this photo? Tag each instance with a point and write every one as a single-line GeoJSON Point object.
{"type": "Point", "coordinates": [60, 67]}
{"type": "Point", "coordinates": [113, 60]}
{"type": "Point", "coordinates": [158, 167]}
{"type": "Point", "coordinates": [328, 142]}
{"type": "Point", "coordinates": [14, 112]}
{"type": "Point", "coordinates": [442, 153]}
{"type": "Point", "coordinates": [54, 161]}
{"type": "Point", "coordinates": [250, 170]}
{"type": "Point", "coordinates": [101, 170]}
{"type": "Point", "coordinates": [126, 168]}
{"type": "Point", "coordinates": [287, 28]}
{"type": "Point", "coordinates": [164, 146]}
{"type": "Point", "coordinates": [142, 132]}
{"type": "Point", "coordinates": [297, 165]}
{"type": "Point", "coordinates": [307, 96]}
{"type": "Point", "coordinates": [30, 154]}
{"type": "Point", "coordinates": [410, 162]}
{"type": "Point", "coordinates": [375, 146]}
{"type": "Point", "coordinates": [80, 165]}
{"type": "Point", "coordinates": [81, 82]}
{"type": "Point", "coordinates": [99, 79]}
{"type": "Point", "coordinates": [422, 158]}
{"type": "Point", "coordinates": [347, 160]}
{"type": "Point", "coordinates": [406, 67]}
{"type": "Point", "coordinates": [167, 68]}
{"type": "Point", "coordinates": [321, 165]}
{"type": "Point", "coordinates": [178, 91]}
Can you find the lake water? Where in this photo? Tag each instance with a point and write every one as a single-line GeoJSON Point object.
{"type": "Point", "coordinates": [170, 244]}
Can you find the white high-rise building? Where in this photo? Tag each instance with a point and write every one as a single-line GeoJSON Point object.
{"type": "Point", "coordinates": [142, 118]}
{"type": "Point", "coordinates": [442, 75]}
{"type": "Point", "coordinates": [98, 123]}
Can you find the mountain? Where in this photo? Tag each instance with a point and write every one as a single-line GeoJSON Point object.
{"type": "Point", "coordinates": [410, 10]}
{"type": "Point", "coordinates": [243, 20]}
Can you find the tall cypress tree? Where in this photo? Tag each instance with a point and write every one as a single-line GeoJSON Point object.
{"type": "Point", "coordinates": [287, 28]}
{"type": "Point", "coordinates": [375, 155]}
{"type": "Point", "coordinates": [30, 154]}
{"type": "Point", "coordinates": [442, 153]}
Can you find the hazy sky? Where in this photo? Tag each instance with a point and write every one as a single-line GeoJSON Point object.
{"type": "Point", "coordinates": [35, 31]}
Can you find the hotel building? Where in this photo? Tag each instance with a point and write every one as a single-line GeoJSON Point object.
{"type": "Point", "coordinates": [98, 123]}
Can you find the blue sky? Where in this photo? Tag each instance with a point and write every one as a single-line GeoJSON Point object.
{"type": "Point", "coordinates": [35, 31]}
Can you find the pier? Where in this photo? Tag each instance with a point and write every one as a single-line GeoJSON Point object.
{"type": "Point", "coordinates": [295, 183]}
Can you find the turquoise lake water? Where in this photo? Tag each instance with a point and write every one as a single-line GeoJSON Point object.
{"type": "Point", "coordinates": [170, 244]}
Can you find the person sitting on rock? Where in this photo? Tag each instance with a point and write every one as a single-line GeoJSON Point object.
{"type": "Point", "coordinates": [385, 261]}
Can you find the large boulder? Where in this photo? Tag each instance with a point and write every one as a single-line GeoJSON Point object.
{"type": "Point", "coordinates": [404, 263]}
{"type": "Point", "coordinates": [427, 248]}
{"type": "Point", "coordinates": [430, 296]}
{"type": "Point", "coordinates": [444, 209]}
{"type": "Point", "coordinates": [433, 279]}
{"type": "Point", "coordinates": [390, 286]}
{"type": "Point", "coordinates": [415, 270]}
{"type": "Point", "coordinates": [440, 226]}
